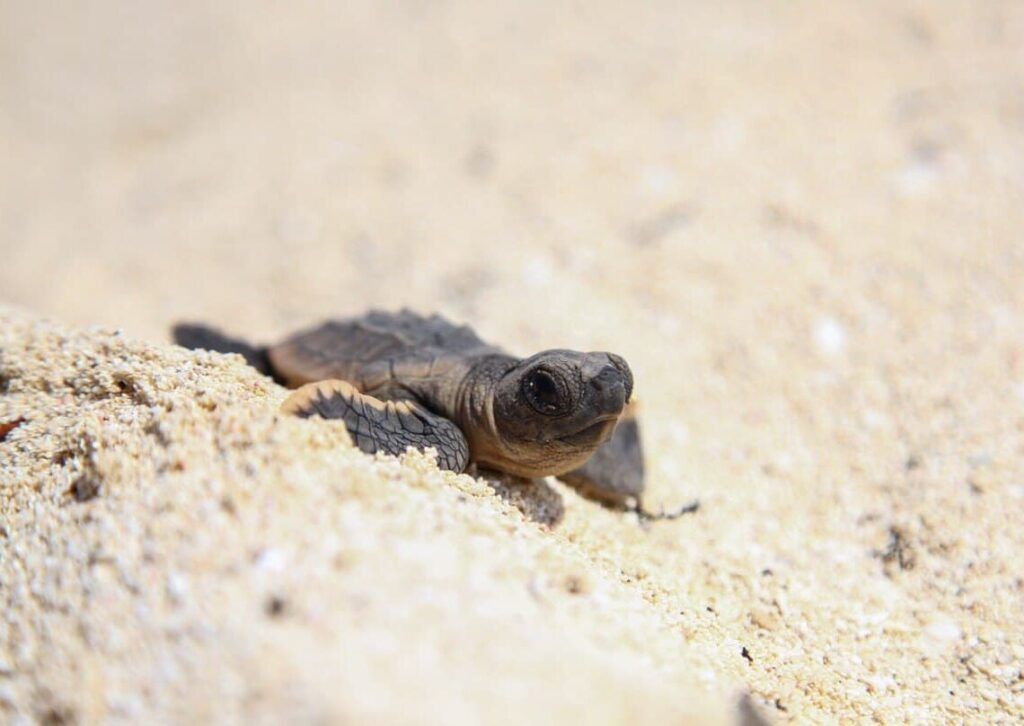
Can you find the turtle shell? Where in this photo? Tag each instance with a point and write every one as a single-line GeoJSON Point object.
{"type": "Point", "coordinates": [378, 349]}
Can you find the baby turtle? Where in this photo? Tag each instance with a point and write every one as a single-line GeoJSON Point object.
{"type": "Point", "coordinates": [401, 379]}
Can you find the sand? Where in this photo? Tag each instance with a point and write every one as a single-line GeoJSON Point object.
{"type": "Point", "coordinates": [799, 223]}
{"type": "Point", "coordinates": [175, 549]}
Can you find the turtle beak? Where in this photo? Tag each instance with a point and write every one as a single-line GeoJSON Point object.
{"type": "Point", "coordinates": [599, 431]}
{"type": "Point", "coordinates": [609, 380]}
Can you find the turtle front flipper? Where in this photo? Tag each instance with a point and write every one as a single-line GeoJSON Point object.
{"type": "Point", "coordinates": [614, 475]}
{"type": "Point", "coordinates": [385, 426]}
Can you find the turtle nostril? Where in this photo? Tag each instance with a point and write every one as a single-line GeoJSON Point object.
{"type": "Point", "coordinates": [608, 379]}
{"type": "Point", "coordinates": [623, 368]}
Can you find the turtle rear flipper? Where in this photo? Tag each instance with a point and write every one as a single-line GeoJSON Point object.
{"type": "Point", "coordinates": [202, 337]}
{"type": "Point", "coordinates": [389, 427]}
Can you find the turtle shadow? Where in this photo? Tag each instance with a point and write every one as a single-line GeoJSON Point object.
{"type": "Point", "coordinates": [535, 498]}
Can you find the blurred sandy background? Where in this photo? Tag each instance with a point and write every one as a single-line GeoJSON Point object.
{"type": "Point", "coordinates": [800, 222]}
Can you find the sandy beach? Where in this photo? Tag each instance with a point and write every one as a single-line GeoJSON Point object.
{"type": "Point", "coordinates": [800, 224]}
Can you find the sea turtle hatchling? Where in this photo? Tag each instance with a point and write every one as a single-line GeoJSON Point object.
{"type": "Point", "coordinates": [401, 379]}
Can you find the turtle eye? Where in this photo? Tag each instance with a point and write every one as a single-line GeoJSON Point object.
{"type": "Point", "coordinates": [544, 392]}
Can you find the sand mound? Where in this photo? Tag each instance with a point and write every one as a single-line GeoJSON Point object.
{"type": "Point", "coordinates": [173, 548]}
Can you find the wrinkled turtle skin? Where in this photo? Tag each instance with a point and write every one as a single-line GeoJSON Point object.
{"type": "Point", "coordinates": [400, 379]}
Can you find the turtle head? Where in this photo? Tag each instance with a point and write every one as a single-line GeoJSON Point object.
{"type": "Point", "coordinates": [553, 410]}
